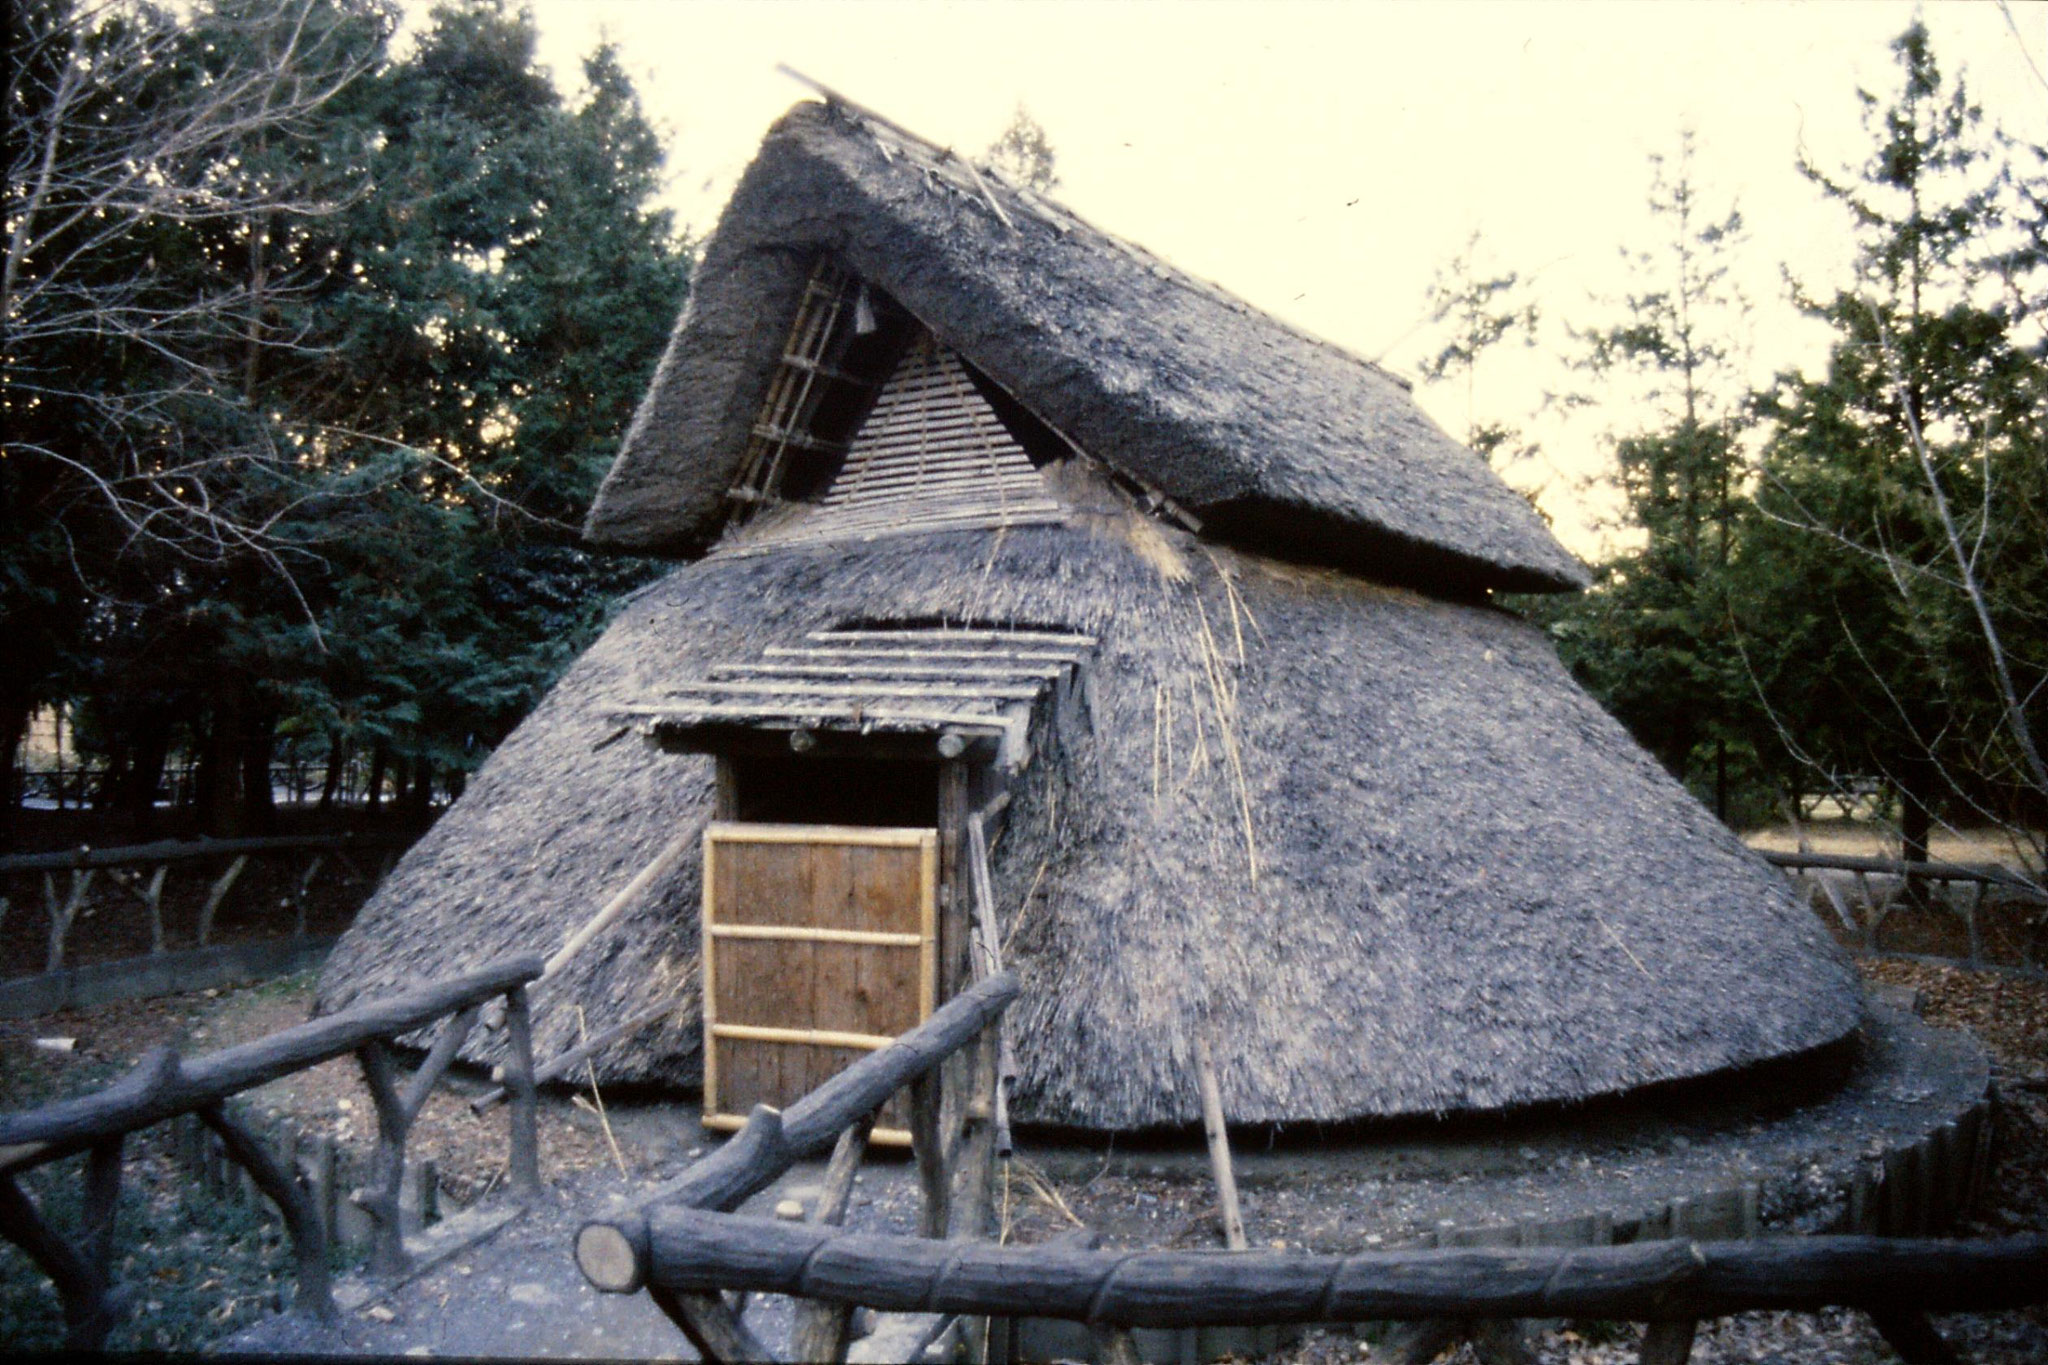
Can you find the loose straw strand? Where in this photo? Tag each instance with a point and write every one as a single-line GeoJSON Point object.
{"type": "Point", "coordinates": [590, 1067]}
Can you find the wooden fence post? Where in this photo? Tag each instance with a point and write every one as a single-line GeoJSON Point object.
{"type": "Point", "coordinates": [928, 1145]}
{"type": "Point", "coordinates": [294, 1204]}
{"type": "Point", "coordinates": [1668, 1343]}
{"type": "Point", "coordinates": [218, 894]}
{"type": "Point", "coordinates": [524, 1158]}
{"type": "Point", "coordinates": [154, 899]}
{"type": "Point", "coordinates": [102, 1200]}
{"type": "Point", "coordinates": [92, 1306]}
{"type": "Point", "coordinates": [378, 1196]}
{"type": "Point", "coordinates": [821, 1329]}
{"type": "Point", "coordinates": [305, 886]}
{"type": "Point", "coordinates": [64, 912]}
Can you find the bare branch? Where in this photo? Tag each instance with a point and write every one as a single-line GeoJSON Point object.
{"type": "Point", "coordinates": [2015, 713]}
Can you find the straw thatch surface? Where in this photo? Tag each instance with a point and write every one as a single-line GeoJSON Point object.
{"type": "Point", "coordinates": [1275, 439]}
{"type": "Point", "coordinates": [1473, 890]}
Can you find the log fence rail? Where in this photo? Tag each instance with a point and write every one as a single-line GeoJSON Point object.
{"type": "Point", "coordinates": [164, 1086]}
{"type": "Point", "coordinates": [953, 1141]}
{"type": "Point", "coordinates": [140, 871]}
{"type": "Point", "coordinates": [1970, 884]}
{"type": "Point", "coordinates": [691, 1253]}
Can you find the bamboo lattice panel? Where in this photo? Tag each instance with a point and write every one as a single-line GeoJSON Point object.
{"type": "Point", "coordinates": [931, 455]}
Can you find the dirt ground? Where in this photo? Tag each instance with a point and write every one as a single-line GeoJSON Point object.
{"type": "Point", "coordinates": [1872, 839]}
{"type": "Point", "coordinates": [520, 1294]}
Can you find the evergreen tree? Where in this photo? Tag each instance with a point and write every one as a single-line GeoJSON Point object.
{"type": "Point", "coordinates": [1473, 309]}
{"type": "Point", "coordinates": [1897, 542]}
{"type": "Point", "coordinates": [1024, 154]}
{"type": "Point", "coordinates": [1652, 638]}
{"type": "Point", "coordinates": [511, 289]}
{"type": "Point", "coordinates": [435, 366]}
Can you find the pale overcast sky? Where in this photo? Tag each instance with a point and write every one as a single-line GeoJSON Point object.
{"type": "Point", "coordinates": [1322, 159]}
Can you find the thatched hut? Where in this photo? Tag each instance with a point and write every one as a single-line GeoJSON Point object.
{"type": "Point", "coordinates": [984, 507]}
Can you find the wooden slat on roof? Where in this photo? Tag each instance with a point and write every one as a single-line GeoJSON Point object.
{"type": "Point", "coordinates": [879, 681]}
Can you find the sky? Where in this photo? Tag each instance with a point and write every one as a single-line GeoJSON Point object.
{"type": "Point", "coordinates": [1323, 160]}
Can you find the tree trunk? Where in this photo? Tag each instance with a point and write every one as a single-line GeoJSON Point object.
{"type": "Point", "coordinates": [218, 783]}
{"type": "Point", "coordinates": [1916, 779]}
{"type": "Point", "coordinates": [337, 764]}
{"type": "Point", "coordinates": [1721, 780]}
{"type": "Point", "coordinates": [149, 749]}
{"type": "Point", "coordinates": [380, 759]}
{"type": "Point", "coordinates": [258, 741]}
{"type": "Point", "coordinates": [419, 799]}
{"type": "Point", "coordinates": [14, 713]}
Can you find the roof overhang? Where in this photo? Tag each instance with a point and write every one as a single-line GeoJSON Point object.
{"type": "Point", "coordinates": [929, 694]}
{"type": "Point", "coordinates": [1166, 379]}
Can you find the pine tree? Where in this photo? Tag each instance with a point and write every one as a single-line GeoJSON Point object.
{"type": "Point", "coordinates": [1652, 639]}
{"type": "Point", "coordinates": [1897, 545]}
{"type": "Point", "coordinates": [1473, 309]}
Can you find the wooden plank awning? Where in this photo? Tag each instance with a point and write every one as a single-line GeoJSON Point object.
{"type": "Point", "coordinates": [936, 692]}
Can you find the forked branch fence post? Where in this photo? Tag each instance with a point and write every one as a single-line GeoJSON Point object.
{"type": "Point", "coordinates": [140, 870]}
{"type": "Point", "coordinates": [1876, 903]}
{"type": "Point", "coordinates": [164, 1086]}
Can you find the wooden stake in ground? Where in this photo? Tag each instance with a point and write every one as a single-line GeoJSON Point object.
{"type": "Point", "coordinates": [1219, 1140]}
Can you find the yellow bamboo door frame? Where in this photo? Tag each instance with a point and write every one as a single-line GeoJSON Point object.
{"type": "Point", "coordinates": [719, 930]}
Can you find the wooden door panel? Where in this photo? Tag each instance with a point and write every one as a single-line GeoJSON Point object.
{"type": "Point", "coordinates": [858, 988]}
{"type": "Point", "coordinates": [752, 1073]}
{"type": "Point", "coordinates": [820, 944]}
{"type": "Point", "coordinates": [820, 885]}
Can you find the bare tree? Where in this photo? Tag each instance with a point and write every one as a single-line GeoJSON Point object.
{"type": "Point", "coordinates": [1964, 550]}
{"type": "Point", "coordinates": [1913, 473]}
{"type": "Point", "coordinates": [134, 130]}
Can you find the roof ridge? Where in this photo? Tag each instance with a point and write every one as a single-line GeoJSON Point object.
{"type": "Point", "coordinates": [1064, 219]}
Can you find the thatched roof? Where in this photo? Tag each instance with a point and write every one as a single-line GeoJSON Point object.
{"type": "Point", "coordinates": [1274, 439]}
{"type": "Point", "coordinates": [1472, 890]}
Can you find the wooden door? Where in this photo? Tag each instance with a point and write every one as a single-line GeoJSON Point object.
{"type": "Point", "coordinates": [820, 945]}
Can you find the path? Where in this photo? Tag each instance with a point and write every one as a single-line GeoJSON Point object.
{"type": "Point", "coordinates": [519, 1294]}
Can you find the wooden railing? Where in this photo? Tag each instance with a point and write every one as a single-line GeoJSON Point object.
{"type": "Point", "coordinates": [690, 1251]}
{"type": "Point", "coordinates": [125, 866]}
{"type": "Point", "coordinates": [164, 1086]}
{"type": "Point", "coordinates": [1876, 905]}
{"type": "Point", "coordinates": [625, 1252]}
{"type": "Point", "coordinates": [685, 1247]}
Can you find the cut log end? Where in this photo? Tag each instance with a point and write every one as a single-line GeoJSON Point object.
{"type": "Point", "coordinates": [609, 1260]}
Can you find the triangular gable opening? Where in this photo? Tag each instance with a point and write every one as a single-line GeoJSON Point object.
{"type": "Point", "coordinates": [871, 427]}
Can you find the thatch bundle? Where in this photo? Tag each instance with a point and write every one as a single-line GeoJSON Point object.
{"type": "Point", "coordinates": [1472, 889]}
